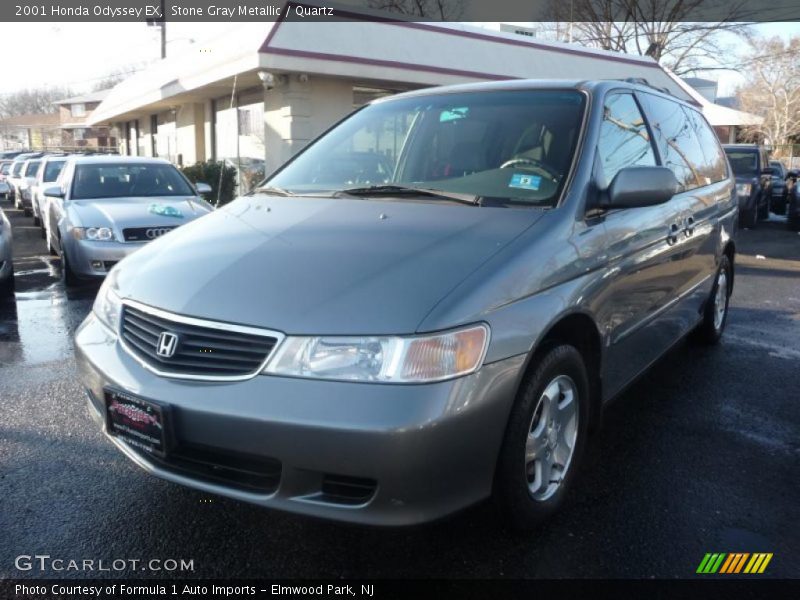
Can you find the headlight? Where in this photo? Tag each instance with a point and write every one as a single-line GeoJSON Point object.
{"type": "Point", "coordinates": [95, 234]}
{"type": "Point", "coordinates": [743, 189]}
{"type": "Point", "coordinates": [383, 359]}
{"type": "Point", "coordinates": [108, 305]}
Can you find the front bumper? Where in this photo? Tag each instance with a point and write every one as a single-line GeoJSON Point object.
{"type": "Point", "coordinates": [96, 259]}
{"type": "Point", "coordinates": [426, 450]}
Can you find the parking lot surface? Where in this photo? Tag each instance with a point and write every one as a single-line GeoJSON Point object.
{"type": "Point", "coordinates": [700, 455]}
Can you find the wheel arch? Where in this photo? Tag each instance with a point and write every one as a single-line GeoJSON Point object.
{"type": "Point", "coordinates": [580, 330]}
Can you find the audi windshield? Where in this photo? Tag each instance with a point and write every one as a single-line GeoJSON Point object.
{"type": "Point", "coordinates": [128, 180]}
{"type": "Point", "coordinates": [499, 147]}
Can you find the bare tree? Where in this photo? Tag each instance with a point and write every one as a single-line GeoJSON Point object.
{"type": "Point", "coordinates": [662, 29]}
{"type": "Point", "coordinates": [32, 101]}
{"type": "Point", "coordinates": [772, 71]}
{"type": "Point", "coordinates": [444, 10]}
{"type": "Point", "coordinates": [118, 75]}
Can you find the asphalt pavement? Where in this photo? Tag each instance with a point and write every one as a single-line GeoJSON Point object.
{"type": "Point", "coordinates": [700, 455]}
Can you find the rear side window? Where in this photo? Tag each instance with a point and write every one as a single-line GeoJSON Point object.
{"type": "Point", "coordinates": [677, 142]}
{"type": "Point", "coordinates": [32, 167]}
{"type": "Point", "coordinates": [714, 167]}
{"type": "Point", "coordinates": [52, 170]}
{"type": "Point", "coordinates": [624, 139]}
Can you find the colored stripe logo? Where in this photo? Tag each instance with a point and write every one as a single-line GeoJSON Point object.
{"type": "Point", "coordinates": [733, 563]}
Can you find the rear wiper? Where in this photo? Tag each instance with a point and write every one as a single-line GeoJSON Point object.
{"type": "Point", "coordinates": [268, 189]}
{"type": "Point", "coordinates": [409, 190]}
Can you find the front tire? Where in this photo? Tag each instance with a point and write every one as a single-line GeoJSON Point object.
{"type": "Point", "coordinates": [7, 287]}
{"type": "Point", "coordinates": [68, 276]}
{"type": "Point", "coordinates": [716, 312]}
{"type": "Point", "coordinates": [545, 439]}
{"type": "Point", "coordinates": [750, 218]}
{"type": "Point", "coordinates": [763, 211]}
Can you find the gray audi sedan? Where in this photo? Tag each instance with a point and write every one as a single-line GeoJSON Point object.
{"type": "Point", "coordinates": [106, 207]}
{"type": "Point", "coordinates": [6, 258]}
{"type": "Point", "coordinates": [390, 346]}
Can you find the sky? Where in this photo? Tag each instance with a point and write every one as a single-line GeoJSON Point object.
{"type": "Point", "coordinates": [78, 55]}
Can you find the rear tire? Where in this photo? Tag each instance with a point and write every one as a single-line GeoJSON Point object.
{"type": "Point", "coordinates": [537, 467]}
{"type": "Point", "coordinates": [716, 311]}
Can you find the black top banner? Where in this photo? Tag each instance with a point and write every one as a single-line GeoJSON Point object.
{"type": "Point", "coordinates": [521, 11]}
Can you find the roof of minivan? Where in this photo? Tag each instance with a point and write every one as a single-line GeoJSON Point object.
{"type": "Point", "coordinates": [117, 159]}
{"type": "Point", "coordinates": [534, 84]}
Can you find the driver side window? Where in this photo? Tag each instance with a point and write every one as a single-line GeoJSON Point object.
{"type": "Point", "coordinates": [624, 139]}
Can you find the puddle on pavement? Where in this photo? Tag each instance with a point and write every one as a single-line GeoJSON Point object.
{"type": "Point", "coordinates": [37, 327]}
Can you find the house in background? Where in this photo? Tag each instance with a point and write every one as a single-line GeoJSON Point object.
{"type": "Point", "coordinates": [30, 131]}
{"type": "Point", "coordinates": [76, 132]}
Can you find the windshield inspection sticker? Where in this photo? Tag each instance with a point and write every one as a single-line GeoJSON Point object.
{"type": "Point", "coordinates": [525, 182]}
{"type": "Point", "coordinates": [164, 211]}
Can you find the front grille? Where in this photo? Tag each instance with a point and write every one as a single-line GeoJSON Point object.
{"type": "Point", "coordinates": [145, 234]}
{"type": "Point", "coordinates": [244, 472]}
{"type": "Point", "coordinates": [200, 352]}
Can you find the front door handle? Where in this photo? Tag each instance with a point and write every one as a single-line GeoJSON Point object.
{"type": "Point", "coordinates": [689, 227]}
{"type": "Point", "coordinates": [672, 236]}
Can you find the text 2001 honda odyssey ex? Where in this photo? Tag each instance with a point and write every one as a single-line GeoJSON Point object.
{"type": "Point", "coordinates": [426, 307]}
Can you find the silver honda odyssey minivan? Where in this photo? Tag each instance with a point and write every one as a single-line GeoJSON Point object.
{"type": "Point", "coordinates": [428, 306]}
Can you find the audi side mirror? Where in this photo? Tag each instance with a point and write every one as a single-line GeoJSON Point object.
{"type": "Point", "coordinates": [54, 192]}
{"type": "Point", "coordinates": [202, 188]}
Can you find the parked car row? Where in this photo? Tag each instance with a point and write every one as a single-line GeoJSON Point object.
{"type": "Point", "coordinates": [763, 186]}
{"type": "Point", "coordinates": [95, 210]}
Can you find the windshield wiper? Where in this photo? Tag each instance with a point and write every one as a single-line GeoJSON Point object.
{"type": "Point", "coordinates": [268, 189]}
{"type": "Point", "coordinates": [409, 190]}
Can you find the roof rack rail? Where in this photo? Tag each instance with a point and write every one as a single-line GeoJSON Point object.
{"type": "Point", "coordinates": [643, 81]}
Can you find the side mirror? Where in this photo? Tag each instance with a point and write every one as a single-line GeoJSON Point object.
{"type": "Point", "coordinates": [641, 186]}
{"type": "Point", "coordinates": [54, 192]}
{"type": "Point", "coordinates": [202, 188]}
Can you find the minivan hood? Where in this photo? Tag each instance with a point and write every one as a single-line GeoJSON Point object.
{"type": "Point", "coordinates": [319, 265]}
{"type": "Point", "coordinates": [133, 212]}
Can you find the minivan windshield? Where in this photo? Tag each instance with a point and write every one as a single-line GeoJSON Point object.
{"type": "Point", "coordinates": [743, 162]}
{"type": "Point", "coordinates": [123, 180]}
{"type": "Point", "coordinates": [502, 147]}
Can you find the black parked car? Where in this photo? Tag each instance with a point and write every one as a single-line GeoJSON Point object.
{"type": "Point", "coordinates": [753, 181]}
{"type": "Point", "coordinates": [792, 194]}
{"type": "Point", "coordinates": [778, 200]}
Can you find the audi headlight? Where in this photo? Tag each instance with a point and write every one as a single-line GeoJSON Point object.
{"type": "Point", "coordinates": [108, 305]}
{"type": "Point", "coordinates": [383, 359]}
{"type": "Point", "coordinates": [95, 234]}
{"type": "Point", "coordinates": [743, 189]}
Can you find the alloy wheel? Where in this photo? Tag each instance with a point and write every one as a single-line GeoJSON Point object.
{"type": "Point", "coordinates": [551, 438]}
